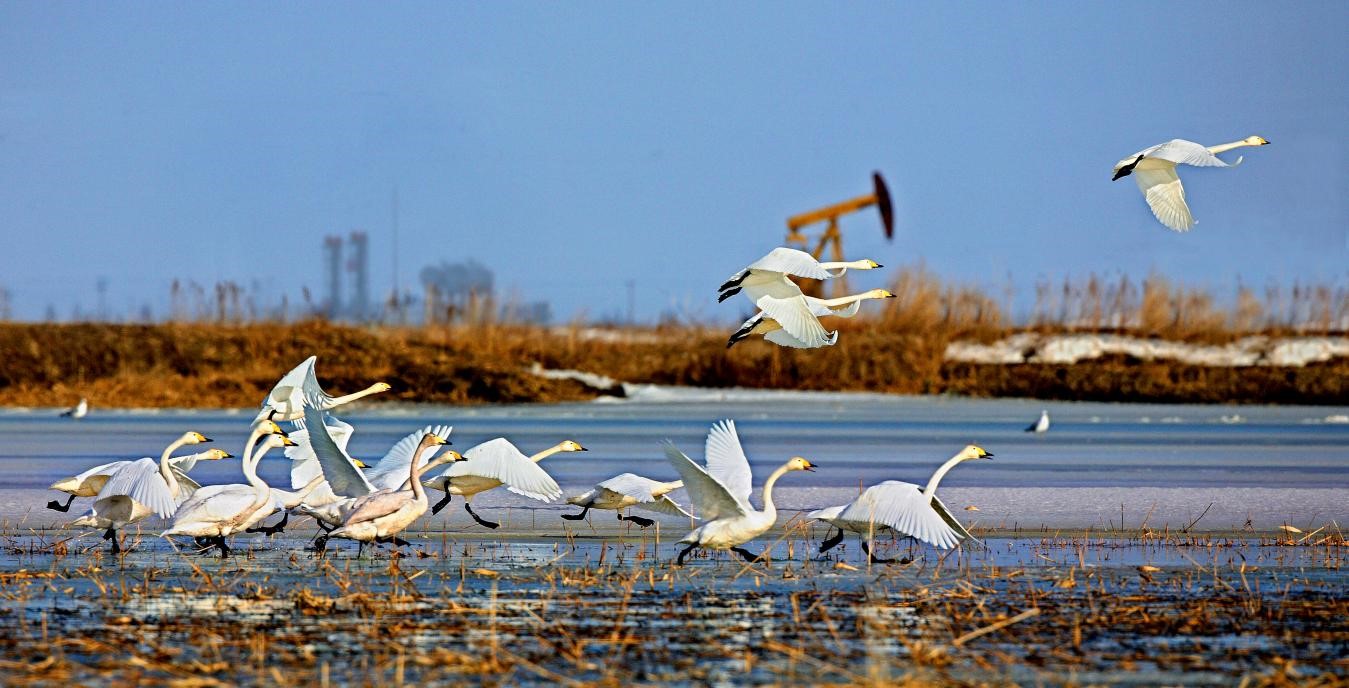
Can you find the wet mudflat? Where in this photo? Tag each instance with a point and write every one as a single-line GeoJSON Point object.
{"type": "Point", "coordinates": [609, 609]}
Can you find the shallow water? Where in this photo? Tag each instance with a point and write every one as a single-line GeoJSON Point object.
{"type": "Point", "coordinates": [1256, 466]}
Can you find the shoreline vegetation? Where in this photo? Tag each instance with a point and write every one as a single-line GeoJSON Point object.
{"type": "Point", "coordinates": [904, 348]}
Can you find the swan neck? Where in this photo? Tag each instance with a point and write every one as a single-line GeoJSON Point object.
{"type": "Point", "coordinates": [931, 488]}
{"type": "Point", "coordinates": [166, 468]}
{"type": "Point", "coordinates": [844, 300]}
{"type": "Point", "coordinates": [415, 471]}
{"type": "Point", "coordinates": [546, 453]}
{"type": "Point", "coordinates": [260, 488]}
{"type": "Point", "coordinates": [768, 506]}
{"type": "Point", "coordinates": [338, 401]}
{"type": "Point", "coordinates": [1224, 147]}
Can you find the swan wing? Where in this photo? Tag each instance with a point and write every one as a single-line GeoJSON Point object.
{"type": "Point", "coordinates": [500, 460]}
{"type": "Point", "coordinates": [343, 475]}
{"type": "Point", "coordinates": [795, 316]}
{"type": "Point", "coordinates": [1165, 196]}
{"type": "Point", "coordinates": [106, 469]}
{"type": "Point", "coordinates": [392, 470]}
{"type": "Point", "coordinates": [710, 497]}
{"type": "Point", "coordinates": [304, 464]}
{"type": "Point", "coordinates": [294, 380]}
{"type": "Point", "coordinates": [784, 338]}
{"type": "Point", "coordinates": [821, 309]}
{"type": "Point", "coordinates": [790, 261]}
{"type": "Point", "coordinates": [726, 460]}
{"type": "Point", "coordinates": [377, 504]}
{"type": "Point", "coordinates": [1184, 152]}
{"type": "Point", "coordinates": [140, 480]}
{"type": "Point", "coordinates": [665, 505]}
{"type": "Point", "coordinates": [903, 507]}
{"type": "Point", "coordinates": [631, 485]}
{"type": "Point", "coordinates": [186, 485]}
{"type": "Point", "coordinates": [946, 515]}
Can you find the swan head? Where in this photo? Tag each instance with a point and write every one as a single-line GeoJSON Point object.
{"type": "Point", "coordinates": [570, 446]}
{"type": "Point", "coordinates": [381, 387]}
{"type": "Point", "coordinates": [216, 455]}
{"type": "Point", "coordinates": [447, 456]}
{"type": "Point", "coordinates": [359, 463]}
{"type": "Point", "coordinates": [867, 264]}
{"type": "Point", "coordinates": [798, 463]}
{"type": "Point", "coordinates": [268, 427]}
{"type": "Point", "coordinates": [274, 441]}
{"type": "Point", "coordinates": [431, 439]}
{"type": "Point", "coordinates": [193, 438]}
{"type": "Point", "coordinates": [973, 451]}
{"type": "Point", "coordinates": [1255, 141]}
{"type": "Point", "coordinates": [879, 294]}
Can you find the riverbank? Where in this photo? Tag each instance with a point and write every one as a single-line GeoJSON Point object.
{"type": "Point", "coordinates": [233, 366]}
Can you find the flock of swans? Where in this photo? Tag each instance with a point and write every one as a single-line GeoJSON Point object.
{"type": "Point", "coordinates": [374, 503]}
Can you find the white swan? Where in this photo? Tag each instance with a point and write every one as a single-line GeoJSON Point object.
{"type": "Point", "coordinates": [1041, 425]}
{"type": "Point", "coordinates": [767, 276]}
{"type": "Point", "coordinates": [721, 493]}
{"type": "Point", "coordinates": [136, 490]}
{"type": "Point", "coordinates": [77, 411]}
{"type": "Point", "coordinates": [629, 490]}
{"type": "Point", "coordinates": [903, 507]}
{"type": "Point", "coordinates": [380, 516]}
{"type": "Point", "coordinates": [217, 511]}
{"type": "Point", "coordinates": [1155, 171]}
{"type": "Point", "coordinates": [88, 483]}
{"type": "Point", "coordinates": [495, 463]}
{"type": "Point", "coordinates": [795, 322]}
{"type": "Point", "coordinates": [322, 451]}
{"type": "Point", "coordinates": [287, 399]}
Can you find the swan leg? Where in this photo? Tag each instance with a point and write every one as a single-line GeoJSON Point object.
{"type": "Point", "coordinates": [576, 517]}
{"type": "Point", "coordinates": [111, 534]}
{"type": "Point", "coordinates": [748, 555]}
{"type": "Point", "coordinates": [279, 527]}
{"type": "Point", "coordinates": [57, 506]}
{"type": "Point", "coordinates": [679, 561]}
{"type": "Point", "coordinates": [643, 522]}
{"type": "Point", "coordinates": [486, 524]}
{"type": "Point", "coordinates": [866, 547]}
{"type": "Point", "coordinates": [831, 543]}
{"type": "Point", "coordinates": [224, 548]}
{"type": "Point", "coordinates": [399, 542]}
{"type": "Point", "coordinates": [435, 508]}
{"type": "Point", "coordinates": [203, 542]}
{"type": "Point", "coordinates": [321, 542]}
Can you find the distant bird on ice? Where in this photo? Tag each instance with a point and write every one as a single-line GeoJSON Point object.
{"type": "Point", "coordinates": [1155, 171]}
{"type": "Point", "coordinates": [77, 411]}
{"type": "Point", "coordinates": [1041, 425]}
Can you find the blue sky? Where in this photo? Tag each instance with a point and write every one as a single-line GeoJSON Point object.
{"type": "Point", "coordinates": [573, 147]}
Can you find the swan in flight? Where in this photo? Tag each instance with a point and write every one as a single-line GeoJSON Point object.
{"type": "Point", "coordinates": [795, 322]}
{"type": "Point", "coordinates": [88, 483]}
{"type": "Point", "coordinates": [767, 276]}
{"type": "Point", "coordinates": [1155, 171]}
{"type": "Point", "coordinates": [629, 490]}
{"type": "Point", "coordinates": [901, 507]}
{"type": "Point", "coordinates": [721, 490]}
{"type": "Point", "coordinates": [381, 515]}
{"type": "Point", "coordinates": [287, 399]}
{"type": "Point", "coordinates": [1041, 425]}
{"type": "Point", "coordinates": [77, 411]}
{"type": "Point", "coordinates": [217, 511]}
{"type": "Point", "coordinates": [495, 463]}
{"type": "Point", "coordinates": [136, 490]}
{"type": "Point", "coordinates": [322, 451]}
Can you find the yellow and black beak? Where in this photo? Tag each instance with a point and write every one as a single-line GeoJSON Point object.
{"type": "Point", "coordinates": [359, 463]}
{"type": "Point", "coordinates": [811, 466]}
{"type": "Point", "coordinates": [286, 441]}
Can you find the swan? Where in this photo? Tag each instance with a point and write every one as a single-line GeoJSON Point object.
{"type": "Point", "coordinates": [285, 500]}
{"type": "Point", "coordinates": [902, 507]}
{"type": "Point", "coordinates": [287, 399]}
{"type": "Point", "coordinates": [495, 463]}
{"type": "Point", "coordinates": [1155, 171]}
{"type": "Point", "coordinates": [322, 451]}
{"type": "Point", "coordinates": [380, 516]}
{"type": "Point", "coordinates": [88, 483]}
{"type": "Point", "coordinates": [136, 490]}
{"type": "Point", "coordinates": [629, 490]}
{"type": "Point", "coordinates": [77, 411]}
{"type": "Point", "coordinates": [767, 276]}
{"type": "Point", "coordinates": [721, 493]}
{"type": "Point", "coordinates": [216, 511]}
{"type": "Point", "coordinates": [1041, 425]}
{"type": "Point", "coordinates": [795, 321]}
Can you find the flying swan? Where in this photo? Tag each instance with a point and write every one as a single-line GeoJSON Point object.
{"type": "Point", "coordinates": [767, 276]}
{"type": "Point", "coordinates": [287, 399]}
{"type": "Point", "coordinates": [629, 490]}
{"type": "Point", "coordinates": [902, 507]}
{"type": "Point", "coordinates": [795, 321]}
{"type": "Point", "coordinates": [495, 463]}
{"type": "Point", "coordinates": [720, 492]}
{"type": "Point", "coordinates": [1155, 171]}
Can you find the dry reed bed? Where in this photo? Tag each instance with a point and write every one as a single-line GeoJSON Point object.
{"type": "Point", "coordinates": [1219, 610]}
